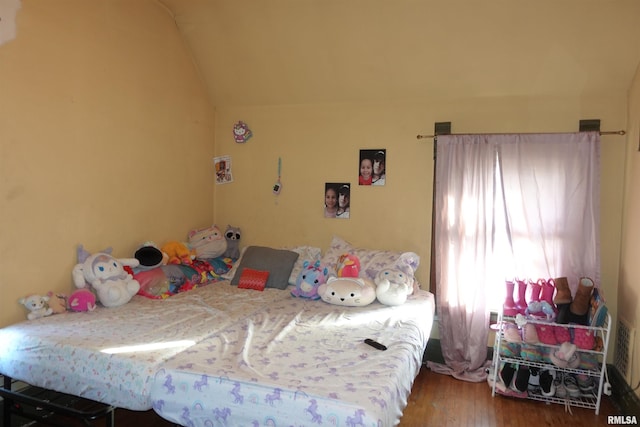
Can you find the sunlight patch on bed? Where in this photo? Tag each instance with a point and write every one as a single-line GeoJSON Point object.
{"type": "Point", "coordinates": [148, 347]}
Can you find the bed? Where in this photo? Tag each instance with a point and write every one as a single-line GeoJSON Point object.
{"type": "Point", "coordinates": [222, 355]}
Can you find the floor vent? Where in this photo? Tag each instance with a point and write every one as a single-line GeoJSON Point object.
{"type": "Point", "coordinates": [624, 349]}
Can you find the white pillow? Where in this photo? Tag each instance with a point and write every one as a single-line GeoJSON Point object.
{"type": "Point", "coordinates": [371, 261]}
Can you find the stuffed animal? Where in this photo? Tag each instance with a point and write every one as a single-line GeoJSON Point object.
{"type": "Point", "coordinates": [37, 306]}
{"type": "Point", "coordinates": [309, 280]}
{"type": "Point", "coordinates": [348, 291]}
{"type": "Point", "coordinates": [208, 242]}
{"type": "Point", "coordinates": [178, 253]}
{"type": "Point", "coordinates": [348, 266]}
{"type": "Point", "coordinates": [393, 286]}
{"type": "Point", "coordinates": [57, 302]}
{"type": "Point", "coordinates": [107, 276]}
{"type": "Point", "coordinates": [150, 256]}
{"type": "Point", "coordinates": [232, 235]}
{"type": "Point", "coordinates": [82, 300]}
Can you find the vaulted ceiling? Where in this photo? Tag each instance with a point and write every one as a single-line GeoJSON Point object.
{"type": "Point", "coordinates": [266, 52]}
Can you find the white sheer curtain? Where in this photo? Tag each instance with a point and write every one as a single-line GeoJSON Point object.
{"type": "Point", "coordinates": [520, 205]}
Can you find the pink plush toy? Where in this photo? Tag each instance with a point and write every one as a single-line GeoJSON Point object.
{"type": "Point", "coordinates": [82, 300]}
{"type": "Point", "coordinates": [348, 266]}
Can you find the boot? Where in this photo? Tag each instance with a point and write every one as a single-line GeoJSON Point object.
{"type": "Point", "coordinates": [509, 307]}
{"type": "Point", "coordinates": [521, 303]}
{"type": "Point", "coordinates": [533, 292]}
{"type": "Point", "coordinates": [580, 304]}
{"type": "Point", "coordinates": [563, 294]}
{"type": "Point", "coordinates": [548, 289]}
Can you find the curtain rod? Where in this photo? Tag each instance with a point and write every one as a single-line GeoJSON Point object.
{"type": "Point", "coordinates": [612, 132]}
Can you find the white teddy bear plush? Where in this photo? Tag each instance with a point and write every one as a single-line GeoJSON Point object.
{"type": "Point", "coordinates": [37, 306]}
{"type": "Point", "coordinates": [393, 286]}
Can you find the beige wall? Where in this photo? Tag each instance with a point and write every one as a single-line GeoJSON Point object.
{"type": "Point", "coordinates": [629, 283]}
{"type": "Point", "coordinates": [320, 143]}
{"type": "Point", "coordinates": [106, 139]}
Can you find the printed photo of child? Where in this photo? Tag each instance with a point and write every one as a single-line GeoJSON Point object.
{"type": "Point", "coordinates": [371, 169]}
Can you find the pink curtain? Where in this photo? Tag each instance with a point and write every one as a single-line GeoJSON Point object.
{"type": "Point", "coordinates": [520, 205]}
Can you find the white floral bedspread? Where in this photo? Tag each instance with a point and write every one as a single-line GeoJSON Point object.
{"type": "Point", "coordinates": [297, 362]}
{"type": "Point", "coordinates": [112, 354]}
{"type": "Point", "coordinates": [219, 355]}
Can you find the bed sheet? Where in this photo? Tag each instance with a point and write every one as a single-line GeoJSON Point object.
{"type": "Point", "coordinates": [112, 355]}
{"type": "Point", "coordinates": [298, 362]}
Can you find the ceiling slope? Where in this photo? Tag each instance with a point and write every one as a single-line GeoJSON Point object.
{"type": "Point", "coordinates": [259, 52]}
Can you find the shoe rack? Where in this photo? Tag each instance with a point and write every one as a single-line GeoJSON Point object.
{"type": "Point", "coordinates": [594, 371]}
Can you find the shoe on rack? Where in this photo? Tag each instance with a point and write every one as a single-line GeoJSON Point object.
{"type": "Point", "coordinates": [507, 373]}
{"type": "Point", "coordinates": [529, 334]}
{"type": "Point", "coordinates": [571, 385]}
{"type": "Point", "coordinates": [547, 382]}
{"type": "Point", "coordinates": [586, 384]}
{"type": "Point", "coordinates": [521, 382]}
{"type": "Point", "coordinates": [564, 354]}
{"type": "Point", "coordinates": [534, 379]}
{"type": "Point", "coordinates": [512, 333]}
{"type": "Point", "coordinates": [558, 384]}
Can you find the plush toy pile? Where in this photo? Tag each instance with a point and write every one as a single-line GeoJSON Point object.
{"type": "Point", "coordinates": [391, 286]}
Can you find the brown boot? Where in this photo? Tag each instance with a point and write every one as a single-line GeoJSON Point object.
{"type": "Point", "coordinates": [563, 293]}
{"type": "Point", "coordinates": [580, 304]}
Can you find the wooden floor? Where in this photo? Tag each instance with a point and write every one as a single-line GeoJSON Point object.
{"type": "Point", "coordinates": [440, 400]}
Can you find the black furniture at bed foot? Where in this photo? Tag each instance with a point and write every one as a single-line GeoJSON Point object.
{"type": "Point", "coordinates": [51, 408]}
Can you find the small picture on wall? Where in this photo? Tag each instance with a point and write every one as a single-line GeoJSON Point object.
{"type": "Point", "coordinates": [223, 169]}
{"type": "Point", "coordinates": [372, 167]}
{"type": "Point", "coordinates": [337, 200]}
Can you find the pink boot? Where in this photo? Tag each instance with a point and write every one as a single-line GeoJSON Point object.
{"type": "Point", "coordinates": [509, 307]}
{"type": "Point", "coordinates": [548, 289]}
{"type": "Point", "coordinates": [521, 303]}
{"type": "Point", "coordinates": [533, 291]}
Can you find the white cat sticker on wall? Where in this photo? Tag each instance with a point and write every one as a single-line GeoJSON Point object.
{"type": "Point", "coordinates": [8, 12]}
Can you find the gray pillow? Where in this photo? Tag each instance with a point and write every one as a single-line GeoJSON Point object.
{"type": "Point", "coordinates": [278, 262]}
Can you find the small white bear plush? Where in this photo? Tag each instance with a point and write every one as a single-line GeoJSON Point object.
{"type": "Point", "coordinates": [393, 287]}
{"type": "Point", "coordinates": [37, 306]}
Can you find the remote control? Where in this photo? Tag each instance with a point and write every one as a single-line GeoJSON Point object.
{"type": "Point", "coordinates": [375, 344]}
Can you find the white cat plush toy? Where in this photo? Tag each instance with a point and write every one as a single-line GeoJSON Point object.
{"type": "Point", "coordinates": [348, 291]}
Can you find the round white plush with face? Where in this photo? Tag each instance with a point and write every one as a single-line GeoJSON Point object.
{"type": "Point", "coordinates": [348, 291]}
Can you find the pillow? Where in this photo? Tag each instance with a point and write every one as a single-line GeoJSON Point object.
{"type": "Point", "coordinates": [305, 253]}
{"type": "Point", "coordinates": [253, 279]}
{"type": "Point", "coordinates": [371, 261]}
{"type": "Point", "coordinates": [278, 262]}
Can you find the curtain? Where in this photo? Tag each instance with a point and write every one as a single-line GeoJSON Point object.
{"type": "Point", "coordinates": [506, 206]}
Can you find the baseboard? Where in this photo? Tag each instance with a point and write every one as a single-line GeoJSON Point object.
{"type": "Point", "coordinates": [622, 396]}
